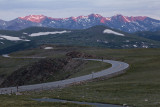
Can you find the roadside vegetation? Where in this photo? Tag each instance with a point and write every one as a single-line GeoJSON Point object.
{"type": "Point", "coordinates": [138, 87]}
{"type": "Point", "coordinates": [25, 101]}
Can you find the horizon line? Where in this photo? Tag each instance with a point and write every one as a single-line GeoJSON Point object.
{"type": "Point", "coordinates": [79, 16]}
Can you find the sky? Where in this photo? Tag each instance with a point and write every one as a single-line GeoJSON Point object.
{"type": "Point", "coordinates": [11, 9]}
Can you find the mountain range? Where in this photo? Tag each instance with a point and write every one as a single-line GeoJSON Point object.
{"type": "Point", "coordinates": [120, 22]}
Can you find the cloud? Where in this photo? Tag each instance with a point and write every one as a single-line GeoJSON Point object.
{"type": "Point", "coordinates": [41, 4]}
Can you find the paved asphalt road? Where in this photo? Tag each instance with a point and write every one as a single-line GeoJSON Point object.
{"type": "Point", "coordinates": [117, 68]}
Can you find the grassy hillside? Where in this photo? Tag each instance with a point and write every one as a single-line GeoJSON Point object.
{"type": "Point", "coordinates": [8, 66]}
{"type": "Point", "coordinates": [94, 37]}
{"type": "Point", "coordinates": [139, 87]}
{"type": "Point", "coordinates": [57, 66]}
{"type": "Point", "coordinates": [25, 101]}
{"type": "Point", "coordinates": [49, 70]}
{"type": "Point", "coordinates": [150, 35]}
{"type": "Point", "coordinates": [91, 37]}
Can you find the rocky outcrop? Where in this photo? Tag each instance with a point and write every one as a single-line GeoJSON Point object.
{"type": "Point", "coordinates": [76, 54]}
{"type": "Point", "coordinates": [45, 70]}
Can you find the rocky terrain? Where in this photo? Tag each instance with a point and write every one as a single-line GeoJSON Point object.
{"type": "Point", "coordinates": [45, 70]}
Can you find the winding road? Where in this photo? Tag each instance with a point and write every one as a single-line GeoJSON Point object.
{"type": "Point", "coordinates": [116, 69]}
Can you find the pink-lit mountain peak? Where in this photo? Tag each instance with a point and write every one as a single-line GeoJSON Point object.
{"type": "Point", "coordinates": [127, 24]}
{"type": "Point", "coordinates": [34, 18]}
{"type": "Point", "coordinates": [140, 18]}
{"type": "Point", "coordinates": [128, 19]}
{"type": "Point", "coordinates": [119, 17]}
{"type": "Point", "coordinates": [91, 15]}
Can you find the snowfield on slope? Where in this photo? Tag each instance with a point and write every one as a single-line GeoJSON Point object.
{"type": "Point", "coordinates": [113, 32]}
{"type": "Point", "coordinates": [47, 33]}
{"type": "Point", "coordinates": [48, 48]}
{"type": "Point", "coordinates": [11, 38]}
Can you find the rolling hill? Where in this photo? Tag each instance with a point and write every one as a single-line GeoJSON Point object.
{"type": "Point", "coordinates": [97, 36]}
{"type": "Point", "coordinates": [155, 35]}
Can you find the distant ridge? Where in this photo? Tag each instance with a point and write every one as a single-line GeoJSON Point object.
{"type": "Point", "coordinates": [97, 36]}
{"type": "Point", "coordinates": [120, 22]}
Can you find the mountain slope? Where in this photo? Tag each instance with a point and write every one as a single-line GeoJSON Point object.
{"type": "Point", "coordinates": [17, 47]}
{"type": "Point", "coordinates": [150, 35]}
{"type": "Point", "coordinates": [97, 36]}
{"type": "Point", "coordinates": [120, 22]}
{"type": "Point", "coordinates": [45, 70]}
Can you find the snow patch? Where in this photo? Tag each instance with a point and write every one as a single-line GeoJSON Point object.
{"type": "Point", "coordinates": [113, 32]}
{"type": "Point", "coordinates": [25, 33]}
{"type": "Point", "coordinates": [47, 33]}
{"type": "Point", "coordinates": [105, 41]}
{"type": "Point", "coordinates": [6, 55]}
{"type": "Point", "coordinates": [135, 46]}
{"type": "Point", "coordinates": [10, 38]}
{"type": "Point", "coordinates": [48, 48]}
{"type": "Point", "coordinates": [26, 40]}
{"type": "Point", "coordinates": [127, 41]}
{"type": "Point", "coordinates": [52, 22]}
{"type": "Point", "coordinates": [145, 46]}
{"type": "Point", "coordinates": [98, 41]}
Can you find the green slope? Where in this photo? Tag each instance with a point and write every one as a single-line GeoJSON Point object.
{"type": "Point", "coordinates": [92, 37]}
{"type": "Point", "coordinates": [150, 35]}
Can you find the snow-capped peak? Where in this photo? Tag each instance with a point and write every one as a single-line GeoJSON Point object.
{"type": "Point", "coordinates": [34, 18]}
{"type": "Point", "coordinates": [40, 18]}
{"type": "Point", "coordinates": [128, 19]}
{"type": "Point", "coordinates": [121, 18]}
{"type": "Point", "coordinates": [124, 23]}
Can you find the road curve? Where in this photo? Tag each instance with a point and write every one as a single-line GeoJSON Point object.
{"type": "Point", "coordinates": [117, 68]}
